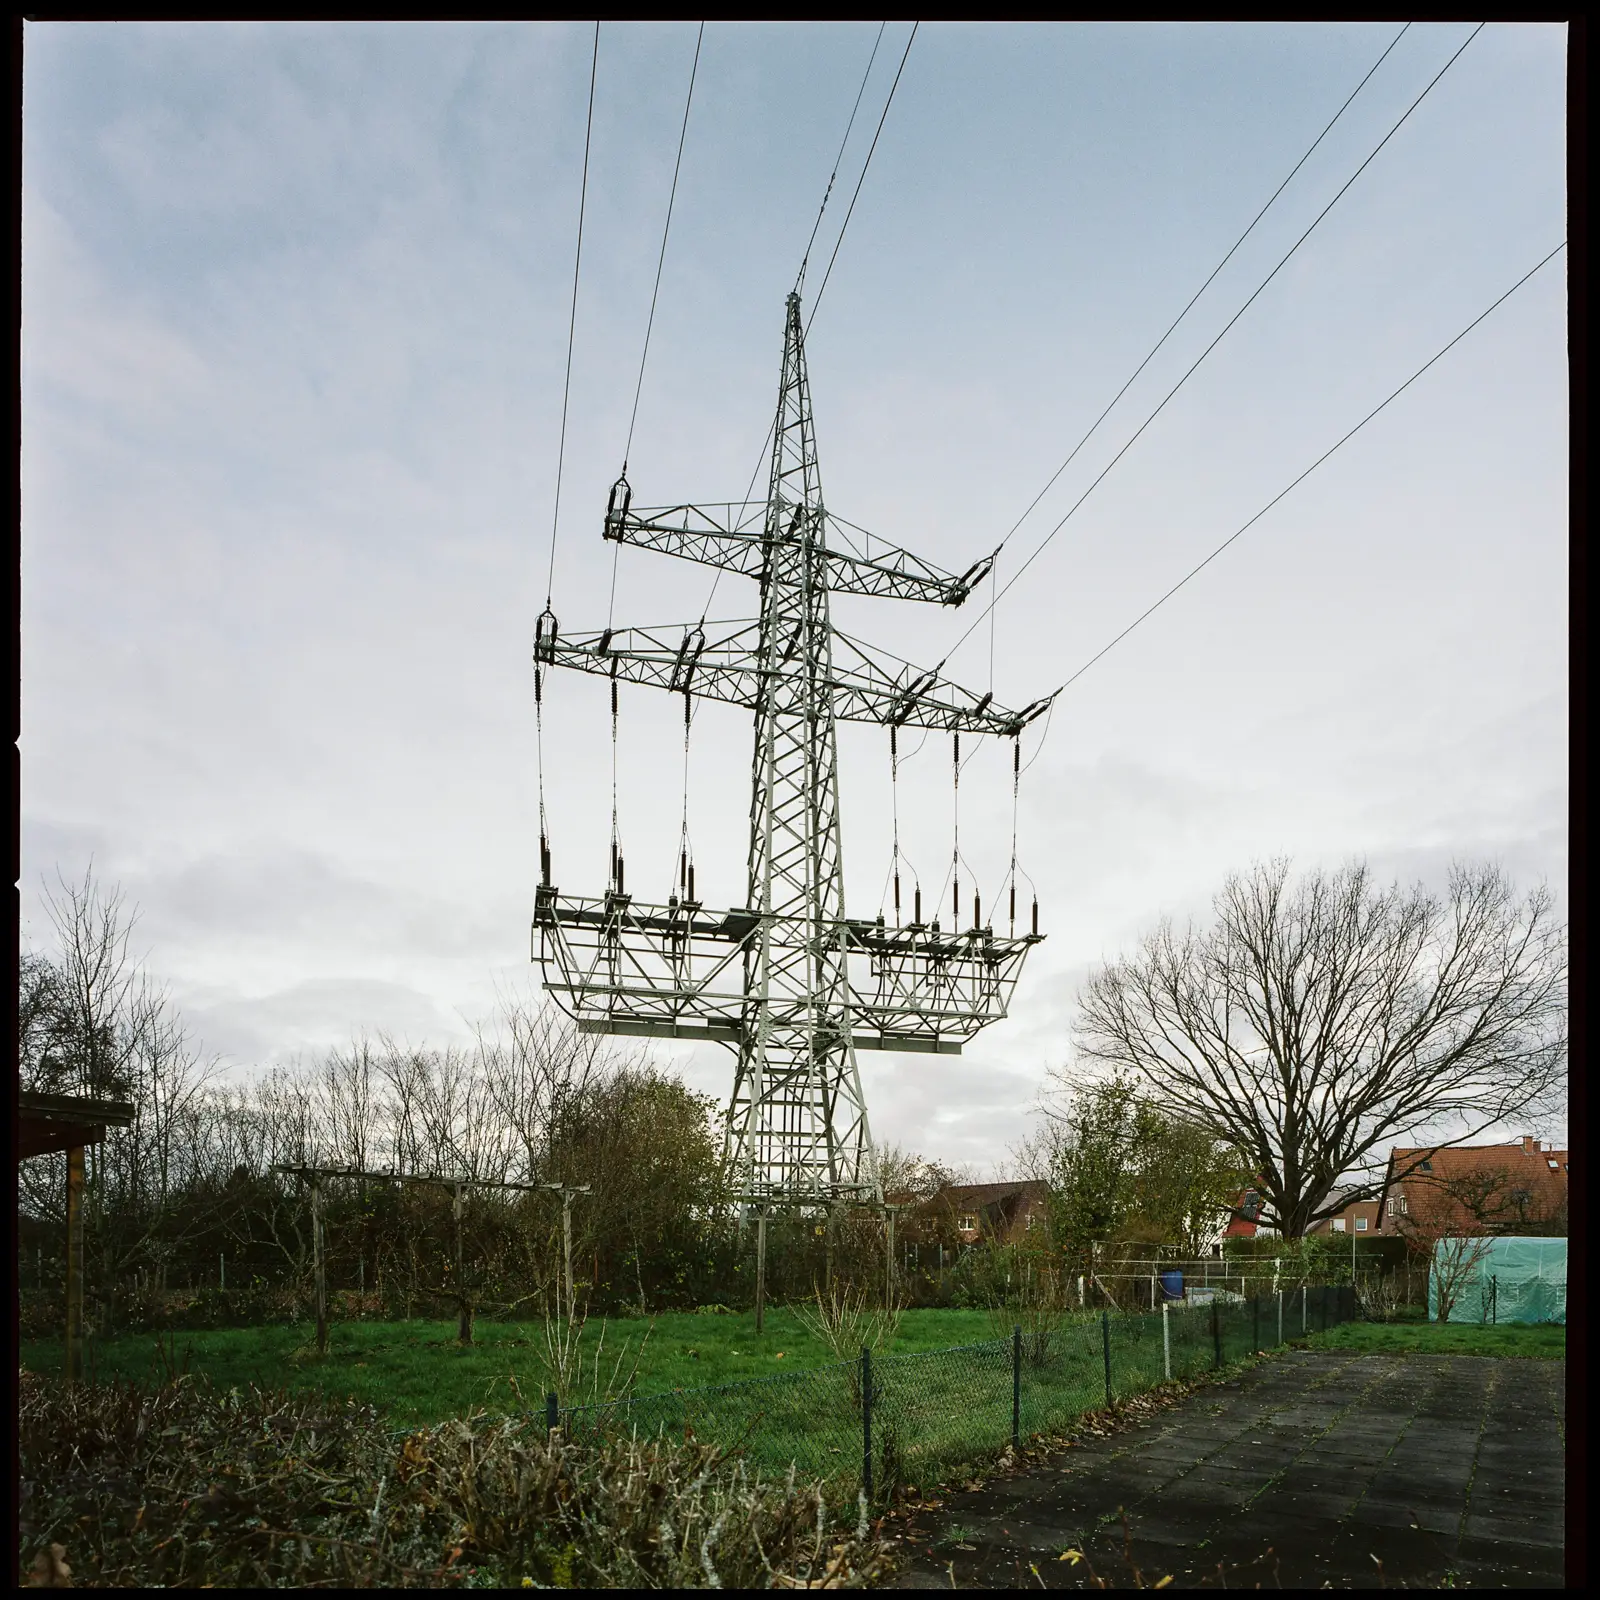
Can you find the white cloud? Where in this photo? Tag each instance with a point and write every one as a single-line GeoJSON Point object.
{"type": "Point", "coordinates": [294, 328]}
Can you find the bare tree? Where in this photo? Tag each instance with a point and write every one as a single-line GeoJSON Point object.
{"type": "Point", "coordinates": [1455, 1264]}
{"type": "Point", "coordinates": [1314, 1023]}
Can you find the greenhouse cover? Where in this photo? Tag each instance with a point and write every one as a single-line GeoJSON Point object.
{"type": "Point", "coordinates": [1515, 1280]}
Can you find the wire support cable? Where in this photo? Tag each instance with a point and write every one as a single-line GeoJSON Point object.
{"type": "Point", "coordinates": [1172, 327]}
{"type": "Point", "coordinates": [1326, 454]}
{"type": "Point", "coordinates": [1255, 294]}
{"type": "Point", "coordinates": [805, 258]}
{"type": "Point", "coordinates": [677, 166]}
{"type": "Point", "coordinates": [761, 459]}
{"type": "Point", "coordinates": [865, 166]}
{"type": "Point", "coordinates": [572, 320]}
{"type": "Point", "coordinates": [644, 355]}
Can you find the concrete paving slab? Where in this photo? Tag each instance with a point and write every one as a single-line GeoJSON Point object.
{"type": "Point", "coordinates": [1393, 1493]}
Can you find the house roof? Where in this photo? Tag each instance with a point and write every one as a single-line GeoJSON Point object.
{"type": "Point", "coordinates": [1489, 1175]}
{"type": "Point", "coordinates": [987, 1194]}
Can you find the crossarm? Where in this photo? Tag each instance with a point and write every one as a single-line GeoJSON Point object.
{"type": "Point", "coordinates": [867, 685]}
{"type": "Point", "coordinates": [733, 537]}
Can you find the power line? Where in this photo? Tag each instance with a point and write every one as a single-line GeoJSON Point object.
{"type": "Point", "coordinates": [826, 193]}
{"type": "Point", "coordinates": [1314, 465]}
{"type": "Point", "coordinates": [863, 178]}
{"type": "Point", "coordinates": [1105, 471]}
{"type": "Point", "coordinates": [1233, 249]}
{"type": "Point", "coordinates": [800, 277]}
{"type": "Point", "coordinates": [683, 133]}
{"type": "Point", "coordinates": [572, 321]}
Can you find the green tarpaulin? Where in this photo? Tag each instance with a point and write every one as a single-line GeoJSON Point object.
{"type": "Point", "coordinates": [1501, 1280]}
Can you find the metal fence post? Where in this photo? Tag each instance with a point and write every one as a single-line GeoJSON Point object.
{"type": "Point", "coordinates": [552, 1412]}
{"type": "Point", "coordinates": [1494, 1297]}
{"type": "Point", "coordinates": [1216, 1335]}
{"type": "Point", "coordinates": [1305, 1290]}
{"type": "Point", "coordinates": [1166, 1339]}
{"type": "Point", "coordinates": [1255, 1325]}
{"type": "Point", "coordinates": [1016, 1387]}
{"type": "Point", "coordinates": [1105, 1344]}
{"type": "Point", "coordinates": [866, 1421]}
{"type": "Point", "coordinates": [1280, 1316]}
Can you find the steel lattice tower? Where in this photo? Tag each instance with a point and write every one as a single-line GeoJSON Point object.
{"type": "Point", "coordinates": [789, 982]}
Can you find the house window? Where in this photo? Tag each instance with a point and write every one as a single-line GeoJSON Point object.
{"type": "Point", "coordinates": [1427, 1166]}
{"type": "Point", "coordinates": [968, 1224]}
{"type": "Point", "coordinates": [1555, 1166]}
{"type": "Point", "coordinates": [1338, 1224]}
{"type": "Point", "coordinates": [1361, 1224]}
{"type": "Point", "coordinates": [1031, 1219]}
{"type": "Point", "coordinates": [1400, 1204]}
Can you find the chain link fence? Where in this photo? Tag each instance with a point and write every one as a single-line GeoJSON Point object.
{"type": "Point", "coordinates": [880, 1420]}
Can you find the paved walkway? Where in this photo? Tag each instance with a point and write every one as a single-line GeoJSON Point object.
{"type": "Point", "coordinates": [1315, 1468]}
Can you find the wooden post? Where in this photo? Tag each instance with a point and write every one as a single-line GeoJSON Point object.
{"type": "Point", "coordinates": [888, 1257]}
{"type": "Point", "coordinates": [761, 1266]}
{"type": "Point", "coordinates": [567, 1193]}
{"type": "Point", "coordinates": [74, 1367]}
{"type": "Point", "coordinates": [566, 1249]}
{"type": "Point", "coordinates": [319, 1268]}
{"type": "Point", "coordinates": [463, 1300]}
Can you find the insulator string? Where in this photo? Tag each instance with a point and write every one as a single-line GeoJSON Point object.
{"type": "Point", "coordinates": [956, 831]}
{"type": "Point", "coordinates": [616, 831]}
{"type": "Point", "coordinates": [1016, 789]}
{"type": "Point", "coordinates": [538, 737]}
{"type": "Point", "coordinates": [685, 849]}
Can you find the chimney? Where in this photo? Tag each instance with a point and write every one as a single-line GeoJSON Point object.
{"type": "Point", "coordinates": [1530, 1144]}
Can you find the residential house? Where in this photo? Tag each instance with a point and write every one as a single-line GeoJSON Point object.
{"type": "Point", "coordinates": [1242, 1220]}
{"type": "Point", "coordinates": [1353, 1216]}
{"type": "Point", "coordinates": [1001, 1213]}
{"type": "Point", "coordinates": [1498, 1188]}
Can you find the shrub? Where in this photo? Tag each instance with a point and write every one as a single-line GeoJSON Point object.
{"type": "Point", "coordinates": [180, 1484]}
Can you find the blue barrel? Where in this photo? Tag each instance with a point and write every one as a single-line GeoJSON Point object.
{"type": "Point", "coordinates": [1172, 1285]}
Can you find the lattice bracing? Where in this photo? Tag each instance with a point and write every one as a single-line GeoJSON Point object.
{"type": "Point", "coordinates": [789, 982]}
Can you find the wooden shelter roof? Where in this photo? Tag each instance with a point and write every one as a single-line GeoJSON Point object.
{"type": "Point", "coordinates": [50, 1122]}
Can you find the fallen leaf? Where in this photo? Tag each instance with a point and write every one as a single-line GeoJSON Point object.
{"type": "Point", "coordinates": [50, 1569]}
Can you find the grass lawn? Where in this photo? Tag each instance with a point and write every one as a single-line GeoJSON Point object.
{"type": "Point", "coordinates": [1546, 1340]}
{"type": "Point", "coordinates": [418, 1373]}
{"type": "Point", "coordinates": [943, 1394]}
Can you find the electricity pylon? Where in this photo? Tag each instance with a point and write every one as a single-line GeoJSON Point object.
{"type": "Point", "coordinates": [788, 981]}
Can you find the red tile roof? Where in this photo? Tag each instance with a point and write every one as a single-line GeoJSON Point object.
{"type": "Point", "coordinates": [1475, 1188]}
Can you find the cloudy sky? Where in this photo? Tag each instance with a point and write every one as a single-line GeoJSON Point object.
{"type": "Point", "coordinates": [295, 317]}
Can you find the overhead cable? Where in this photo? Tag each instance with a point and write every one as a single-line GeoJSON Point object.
{"type": "Point", "coordinates": [1200, 567]}
{"type": "Point", "coordinates": [805, 258]}
{"type": "Point", "coordinates": [800, 277]}
{"type": "Point", "coordinates": [1255, 294]}
{"type": "Point", "coordinates": [572, 320]}
{"type": "Point", "coordinates": [1232, 250]}
{"type": "Point", "coordinates": [683, 133]}
{"type": "Point", "coordinates": [863, 178]}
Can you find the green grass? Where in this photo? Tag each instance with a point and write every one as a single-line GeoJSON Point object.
{"type": "Point", "coordinates": [1540, 1340]}
{"type": "Point", "coordinates": [942, 1396]}
{"type": "Point", "coordinates": [418, 1373]}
